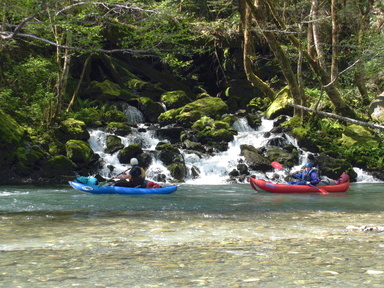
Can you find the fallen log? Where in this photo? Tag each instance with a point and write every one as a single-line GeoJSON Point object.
{"type": "Point", "coordinates": [331, 115]}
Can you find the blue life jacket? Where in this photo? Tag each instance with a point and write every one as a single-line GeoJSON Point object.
{"type": "Point", "coordinates": [307, 176]}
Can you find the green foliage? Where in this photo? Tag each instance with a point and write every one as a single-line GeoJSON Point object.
{"type": "Point", "coordinates": [29, 84]}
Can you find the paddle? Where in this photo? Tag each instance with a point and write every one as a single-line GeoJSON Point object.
{"type": "Point", "coordinates": [105, 182]}
{"type": "Point", "coordinates": [278, 166]}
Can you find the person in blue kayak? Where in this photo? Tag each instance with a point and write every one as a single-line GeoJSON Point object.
{"type": "Point", "coordinates": [135, 177]}
{"type": "Point", "coordinates": [308, 177]}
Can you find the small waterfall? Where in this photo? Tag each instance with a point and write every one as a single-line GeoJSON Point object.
{"type": "Point", "coordinates": [133, 114]}
{"type": "Point", "coordinates": [212, 169]}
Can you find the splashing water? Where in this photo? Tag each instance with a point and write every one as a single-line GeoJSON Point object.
{"type": "Point", "coordinates": [212, 169]}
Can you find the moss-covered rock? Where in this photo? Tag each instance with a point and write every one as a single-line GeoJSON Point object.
{"type": "Point", "coordinates": [113, 144]}
{"type": "Point", "coordinates": [59, 165]}
{"type": "Point", "coordinates": [178, 171]}
{"type": "Point", "coordinates": [131, 151]}
{"type": "Point", "coordinates": [258, 105]}
{"type": "Point", "coordinates": [72, 129]}
{"type": "Point", "coordinates": [169, 117]}
{"type": "Point", "coordinates": [168, 153]}
{"type": "Point", "coordinates": [288, 158]}
{"type": "Point", "coordinates": [118, 128]}
{"type": "Point", "coordinates": [107, 91]}
{"type": "Point", "coordinates": [254, 159]}
{"type": "Point", "coordinates": [29, 159]}
{"type": "Point", "coordinates": [79, 152]}
{"type": "Point", "coordinates": [12, 136]}
{"type": "Point", "coordinates": [151, 109]}
{"type": "Point", "coordinates": [90, 116]}
{"type": "Point", "coordinates": [280, 105]}
{"type": "Point", "coordinates": [114, 116]}
{"type": "Point", "coordinates": [214, 133]}
{"type": "Point", "coordinates": [253, 120]}
{"type": "Point", "coordinates": [175, 99]}
{"type": "Point", "coordinates": [187, 115]}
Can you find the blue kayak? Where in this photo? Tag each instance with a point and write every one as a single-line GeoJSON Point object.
{"type": "Point", "coordinates": [105, 189]}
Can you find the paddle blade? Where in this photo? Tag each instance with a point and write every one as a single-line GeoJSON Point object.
{"type": "Point", "coordinates": [323, 191]}
{"type": "Point", "coordinates": [276, 165]}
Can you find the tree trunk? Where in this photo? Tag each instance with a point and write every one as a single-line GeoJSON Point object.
{"type": "Point", "coordinates": [335, 8]}
{"type": "Point", "coordinates": [249, 53]}
{"type": "Point", "coordinates": [365, 11]}
{"type": "Point", "coordinates": [74, 95]}
{"type": "Point", "coordinates": [257, 9]}
{"type": "Point", "coordinates": [324, 77]}
{"type": "Point", "coordinates": [316, 34]}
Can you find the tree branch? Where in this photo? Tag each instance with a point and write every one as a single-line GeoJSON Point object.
{"type": "Point", "coordinates": [10, 35]}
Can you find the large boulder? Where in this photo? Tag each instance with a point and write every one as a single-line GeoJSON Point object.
{"type": "Point", "coordinates": [59, 165]}
{"type": "Point", "coordinates": [80, 153]}
{"type": "Point", "coordinates": [113, 144]}
{"type": "Point", "coordinates": [107, 91]}
{"type": "Point", "coordinates": [72, 129]}
{"type": "Point", "coordinates": [210, 131]}
{"type": "Point", "coordinates": [135, 151]}
{"type": "Point", "coordinates": [280, 106]}
{"type": "Point", "coordinates": [175, 99]}
{"type": "Point", "coordinates": [376, 109]}
{"type": "Point", "coordinates": [151, 109]}
{"type": "Point", "coordinates": [254, 159]}
{"type": "Point", "coordinates": [187, 115]}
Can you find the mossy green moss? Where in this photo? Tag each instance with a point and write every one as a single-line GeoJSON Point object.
{"type": "Point", "coordinates": [12, 136]}
{"type": "Point", "coordinates": [175, 99]}
{"type": "Point", "coordinates": [114, 116]}
{"type": "Point", "coordinates": [151, 109]}
{"type": "Point", "coordinates": [79, 152]}
{"type": "Point", "coordinates": [280, 105]}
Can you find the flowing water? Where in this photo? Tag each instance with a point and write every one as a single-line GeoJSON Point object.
{"type": "Point", "coordinates": [199, 236]}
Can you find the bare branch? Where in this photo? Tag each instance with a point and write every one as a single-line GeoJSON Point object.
{"type": "Point", "coordinates": [10, 35]}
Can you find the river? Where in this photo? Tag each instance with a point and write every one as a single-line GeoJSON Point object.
{"type": "Point", "coordinates": [199, 236]}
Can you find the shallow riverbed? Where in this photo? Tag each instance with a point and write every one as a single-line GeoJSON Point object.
{"type": "Point", "coordinates": [200, 236]}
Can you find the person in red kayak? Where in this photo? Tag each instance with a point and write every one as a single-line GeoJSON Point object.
{"type": "Point", "coordinates": [308, 177]}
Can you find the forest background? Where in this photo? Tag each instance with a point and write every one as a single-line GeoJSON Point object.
{"type": "Point", "coordinates": [66, 66]}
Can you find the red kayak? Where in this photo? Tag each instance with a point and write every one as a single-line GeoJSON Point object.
{"type": "Point", "coordinates": [285, 188]}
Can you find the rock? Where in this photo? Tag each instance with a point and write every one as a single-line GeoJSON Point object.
{"type": "Point", "coordinates": [113, 144]}
{"type": "Point", "coordinates": [187, 115]}
{"type": "Point", "coordinates": [280, 105]}
{"type": "Point", "coordinates": [79, 152]}
{"type": "Point", "coordinates": [376, 109]}
{"type": "Point", "coordinates": [175, 99]}
{"type": "Point", "coordinates": [72, 129]}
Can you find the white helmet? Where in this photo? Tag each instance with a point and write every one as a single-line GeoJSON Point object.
{"type": "Point", "coordinates": [134, 161]}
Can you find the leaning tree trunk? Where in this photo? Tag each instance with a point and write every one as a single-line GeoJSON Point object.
{"type": "Point", "coordinates": [257, 11]}
{"type": "Point", "coordinates": [249, 53]}
{"type": "Point", "coordinates": [324, 77]}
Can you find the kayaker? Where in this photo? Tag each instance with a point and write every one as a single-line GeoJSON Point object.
{"type": "Point", "coordinates": [308, 177]}
{"type": "Point", "coordinates": [135, 177]}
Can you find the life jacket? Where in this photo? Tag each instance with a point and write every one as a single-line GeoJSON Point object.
{"type": "Point", "coordinates": [137, 174]}
{"type": "Point", "coordinates": [306, 175]}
